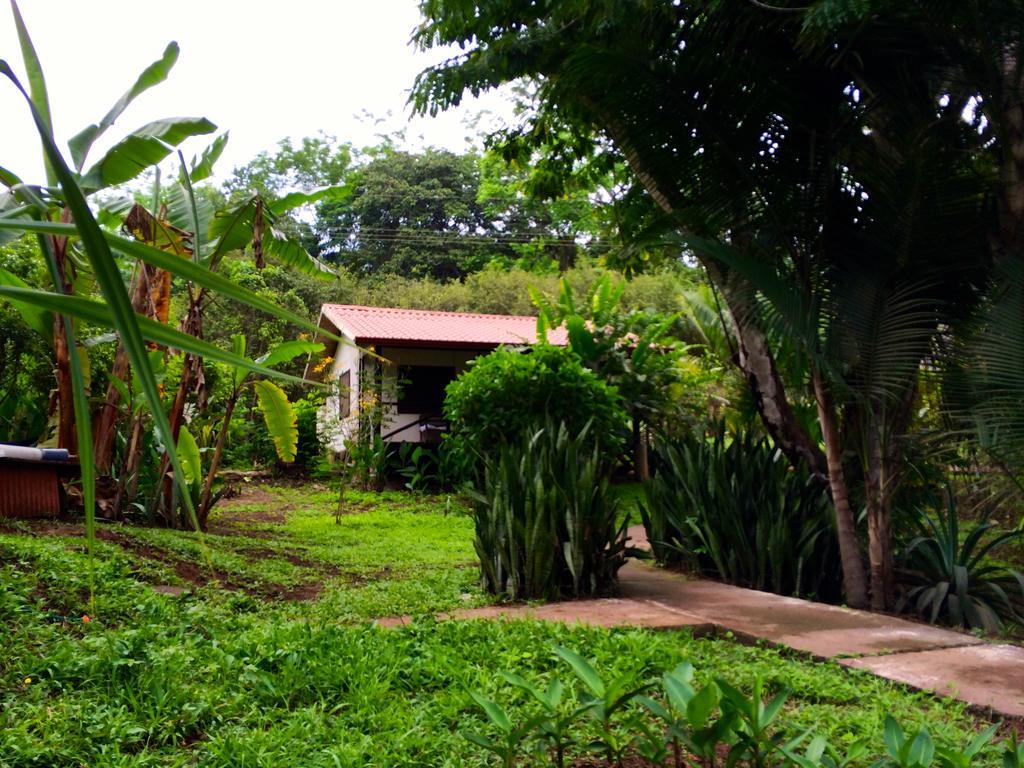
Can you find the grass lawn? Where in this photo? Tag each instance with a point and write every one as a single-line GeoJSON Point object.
{"type": "Point", "coordinates": [280, 664]}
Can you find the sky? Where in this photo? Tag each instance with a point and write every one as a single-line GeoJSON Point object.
{"type": "Point", "coordinates": [264, 71]}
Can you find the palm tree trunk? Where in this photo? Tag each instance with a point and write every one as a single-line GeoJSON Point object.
{"type": "Point", "coordinates": [880, 554]}
{"type": "Point", "coordinates": [854, 580]}
{"type": "Point", "coordinates": [756, 361]}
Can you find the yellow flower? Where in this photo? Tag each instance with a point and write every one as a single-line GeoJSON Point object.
{"type": "Point", "coordinates": [28, 681]}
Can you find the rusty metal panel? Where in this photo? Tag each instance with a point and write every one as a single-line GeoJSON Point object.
{"type": "Point", "coordinates": [29, 489]}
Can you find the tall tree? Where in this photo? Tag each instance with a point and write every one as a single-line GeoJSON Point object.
{"type": "Point", "coordinates": [787, 176]}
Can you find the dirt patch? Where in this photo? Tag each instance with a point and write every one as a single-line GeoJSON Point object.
{"type": "Point", "coordinates": [290, 555]}
{"type": "Point", "coordinates": [190, 572]}
{"type": "Point", "coordinates": [241, 522]}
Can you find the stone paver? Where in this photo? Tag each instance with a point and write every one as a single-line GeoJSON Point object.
{"type": "Point", "coordinates": [988, 676]}
{"type": "Point", "coordinates": [929, 658]}
{"type": "Point", "coordinates": [824, 631]}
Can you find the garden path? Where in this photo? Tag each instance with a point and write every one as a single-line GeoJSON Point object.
{"type": "Point", "coordinates": [987, 676]}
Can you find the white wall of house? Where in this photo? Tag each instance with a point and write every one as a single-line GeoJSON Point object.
{"type": "Point", "coordinates": [333, 428]}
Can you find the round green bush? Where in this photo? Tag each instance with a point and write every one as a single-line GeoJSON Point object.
{"type": "Point", "coordinates": [505, 394]}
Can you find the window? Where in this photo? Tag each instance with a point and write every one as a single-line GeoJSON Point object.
{"type": "Point", "coordinates": [345, 395]}
{"type": "Point", "coordinates": [421, 388]}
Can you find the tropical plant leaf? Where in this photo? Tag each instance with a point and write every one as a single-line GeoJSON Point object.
{"type": "Point", "coordinates": [201, 167]}
{"type": "Point", "coordinates": [152, 75]}
{"type": "Point", "coordinates": [289, 350]}
{"type": "Point", "coordinates": [191, 459]}
{"type": "Point", "coordinates": [142, 149]}
{"type": "Point", "coordinates": [295, 199]}
{"type": "Point", "coordinates": [100, 314]}
{"type": "Point", "coordinates": [292, 254]}
{"type": "Point", "coordinates": [280, 419]}
{"type": "Point", "coordinates": [38, 98]}
{"type": "Point", "coordinates": [184, 268]}
{"type": "Point", "coordinates": [39, 320]}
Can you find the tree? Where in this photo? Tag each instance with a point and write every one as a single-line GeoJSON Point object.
{"type": "Point", "coordinates": [318, 161]}
{"type": "Point", "coordinates": [810, 172]}
{"type": "Point", "coordinates": [634, 352]}
{"type": "Point", "coordinates": [74, 246]}
{"type": "Point", "coordinates": [411, 214]}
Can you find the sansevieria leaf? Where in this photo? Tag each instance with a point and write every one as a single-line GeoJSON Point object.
{"type": "Point", "coordinates": [280, 418]}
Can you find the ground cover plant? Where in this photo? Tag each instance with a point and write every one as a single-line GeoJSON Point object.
{"type": "Point", "coordinates": [243, 673]}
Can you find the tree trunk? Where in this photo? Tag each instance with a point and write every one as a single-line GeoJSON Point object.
{"type": "Point", "coordinates": [854, 580]}
{"type": "Point", "coordinates": [204, 500]}
{"type": "Point", "coordinates": [66, 435]}
{"type": "Point", "coordinates": [147, 281]}
{"type": "Point", "coordinates": [755, 358]}
{"type": "Point", "coordinates": [640, 463]}
{"type": "Point", "coordinates": [883, 580]}
{"type": "Point", "coordinates": [1011, 170]}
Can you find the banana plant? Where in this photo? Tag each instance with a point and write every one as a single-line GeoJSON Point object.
{"type": "Point", "coordinates": [135, 152]}
{"type": "Point", "coordinates": [70, 239]}
{"type": "Point", "coordinates": [278, 413]}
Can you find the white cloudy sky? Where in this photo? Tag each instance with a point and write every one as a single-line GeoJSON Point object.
{"type": "Point", "coordinates": [262, 70]}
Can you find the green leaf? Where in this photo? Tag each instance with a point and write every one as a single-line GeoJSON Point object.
{"type": "Point", "coordinates": [295, 199]}
{"type": "Point", "coordinates": [9, 178]}
{"type": "Point", "coordinates": [584, 671]}
{"type": "Point", "coordinates": [152, 75]}
{"type": "Point", "coordinates": [177, 266]}
{"type": "Point", "coordinates": [202, 166]}
{"type": "Point", "coordinates": [142, 149]}
{"type": "Point", "coordinates": [494, 712]}
{"type": "Point", "coordinates": [39, 99]}
{"type": "Point", "coordinates": [108, 275]}
{"type": "Point", "coordinates": [280, 418]}
{"type": "Point", "coordinates": [701, 705]}
{"type": "Point", "coordinates": [39, 320]}
{"type": "Point", "coordinates": [291, 253]}
{"type": "Point", "coordinates": [893, 736]}
{"type": "Point", "coordinates": [99, 313]}
{"type": "Point", "coordinates": [238, 347]}
{"type": "Point", "coordinates": [191, 461]}
{"type": "Point", "coordinates": [922, 750]}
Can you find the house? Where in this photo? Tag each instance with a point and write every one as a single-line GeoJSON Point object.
{"type": "Point", "coordinates": [400, 361]}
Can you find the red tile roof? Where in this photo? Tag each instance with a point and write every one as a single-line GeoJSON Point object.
{"type": "Point", "coordinates": [429, 328]}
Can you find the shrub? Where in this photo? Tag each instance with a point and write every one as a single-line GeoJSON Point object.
{"type": "Point", "coordinates": [505, 394]}
{"type": "Point", "coordinates": [734, 509]}
{"type": "Point", "coordinates": [953, 580]}
{"type": "Point", "coordinates": [545, 518]}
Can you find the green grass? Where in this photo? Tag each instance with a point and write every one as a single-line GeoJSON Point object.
{"type": "Point", "coordinates": [217, 677]}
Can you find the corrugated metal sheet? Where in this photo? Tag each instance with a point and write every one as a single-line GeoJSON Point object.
{"type": "Point", "coordinates": [421, 327]}
{"type": "Point", "coordinates": [29, 489]}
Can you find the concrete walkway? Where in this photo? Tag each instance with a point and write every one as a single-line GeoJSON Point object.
{"type": "Point", "coordinates": [988, 677]}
